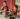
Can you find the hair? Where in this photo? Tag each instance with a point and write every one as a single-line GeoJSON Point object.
{"type": "Point", "coordinates": [16, 6]}
{"type": "Point", "coordinates": [5, 2]}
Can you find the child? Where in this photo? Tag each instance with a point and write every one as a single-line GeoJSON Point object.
{"type": "Point", "coordinates": [15, 10]}
{"type": "Point", "coordinates": [5, 8]}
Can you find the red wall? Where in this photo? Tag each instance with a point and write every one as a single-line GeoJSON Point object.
{"type": "Point", "coordinates": [11, 4]}
{"type": "Point", "coordinates": [1, 2]}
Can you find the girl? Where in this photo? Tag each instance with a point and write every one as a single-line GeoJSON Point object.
{"type": "Point", "coordinates": [5, 8]}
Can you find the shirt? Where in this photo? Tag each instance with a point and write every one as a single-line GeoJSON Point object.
{"type": "Point", "coordinates": [6, 8]}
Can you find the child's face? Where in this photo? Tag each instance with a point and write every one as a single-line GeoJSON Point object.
{"type": "Point", "coordinates": [15, 7]}
{"type": "Point", "coordinates": [4, 4]}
